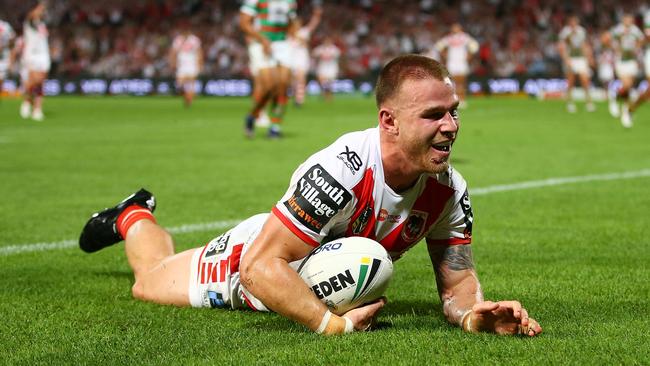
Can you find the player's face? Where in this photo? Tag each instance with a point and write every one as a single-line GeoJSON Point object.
{"type": "Point", "coordinates": [427, 117]}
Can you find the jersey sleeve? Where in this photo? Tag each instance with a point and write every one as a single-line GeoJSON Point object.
{"type": "Point", "coordinates": [454, 226]}
{"type": "Point", "coordinates": [319, 196]}
{"type": "Point", "coordinates": [249, 7]}
{"type": "Point", "coordinates": [441, 44]}
{"type": "Point", "coordinates": [564, 34]}
{"type": "Point", "coordinates": [472, 44]}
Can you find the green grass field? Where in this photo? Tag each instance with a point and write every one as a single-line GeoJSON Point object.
{"type": "Point", "coordinates": [576, 253]}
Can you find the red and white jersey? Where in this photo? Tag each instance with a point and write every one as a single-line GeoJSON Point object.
{"type": "Point", "coordinates": [35, 37]}
{"type": "Point", "coordinates": [458, 45]}
{"type": "Point", "coordinates": [340, 191]}
{"type": "Point", "coordinates": [187, 49]}
{"type": "Point", "coordinates": [327, 55]}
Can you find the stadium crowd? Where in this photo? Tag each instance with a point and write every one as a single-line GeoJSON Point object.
{"type": "Point", "coordinates": [122, 38]}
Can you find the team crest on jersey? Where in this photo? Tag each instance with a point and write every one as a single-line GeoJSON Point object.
{"type": "Point", "coordinates": [414, 225]}
{"type": "Point", "coordinates": [362, 221]}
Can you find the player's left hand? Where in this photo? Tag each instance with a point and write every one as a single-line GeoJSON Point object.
{"type": "Point", "coordinates": [503, 317]}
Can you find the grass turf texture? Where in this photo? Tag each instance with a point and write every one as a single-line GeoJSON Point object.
{"type": "Point", "coordinates": [575, 255]}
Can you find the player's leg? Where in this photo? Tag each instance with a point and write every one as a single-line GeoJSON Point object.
{"type": "Point", "coordinates": [281, 92]}
{"type": "Point", "coordinates": [37, 92]}
{"type": "Point", "coordinates": [188, 90]}
{"type": "Point", "coordinates": [300, 85]}
{"type": "Point", "coordinates": [570, 84]}
{"type": "Point", "coordinates": [160, 276]}
{"type": "Point", "coordinates": [642, 98]}
{"type": "Point", "coordinates": [627, 82]}
{"type": "Point", "coordinates": [261, 94]}
{"type": "Point", "coordinates": [325, 81]}
{"type": "Point", "coordinates": [586, 85]}
{"type": "Point", "coordinates": [28, 98]}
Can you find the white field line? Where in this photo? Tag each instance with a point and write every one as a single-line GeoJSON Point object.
{"type": "Point", "coordinates": [219, 225]}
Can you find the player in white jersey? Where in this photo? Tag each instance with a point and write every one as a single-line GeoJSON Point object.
{"type": "Point", "coordinates": [36, 59]}
{"type": "Point", "coordinates": [186, 56]}
{"type": "Point", "coordinates": [627, 44]}
{"type": "Point", "coordinates": [327, 55]}
{"type": "Point", "coordinates": [646, 60]}
{"type": "Point", "coordinates": [578, 59]}
{"type": "Point", "coordinates": [7, 35]}
{"type": "Point", "coordinates": [392, 183]}
{"type": "Point", "coordinates": [457, 49]}
{"type": "Point", "coordinates": [266, 24]}
{"type": "Point", "coordinates": [301, 62]}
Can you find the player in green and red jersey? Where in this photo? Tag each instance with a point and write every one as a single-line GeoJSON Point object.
{"type": "Point", "coordinates": [266, 24]}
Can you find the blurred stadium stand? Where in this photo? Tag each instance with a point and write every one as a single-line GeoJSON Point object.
{"type": "Point", "coordinates": [120, 38]}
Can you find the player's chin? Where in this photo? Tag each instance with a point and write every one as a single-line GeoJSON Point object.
{"type": "Point", "coordinates": [436, 166]}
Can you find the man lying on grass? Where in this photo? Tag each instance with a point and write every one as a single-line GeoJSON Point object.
{"type": "Point", "coordinates": [392, 184]}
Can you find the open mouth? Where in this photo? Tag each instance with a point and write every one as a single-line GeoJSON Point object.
{"type": "Point", "coordinates": [442, 146]}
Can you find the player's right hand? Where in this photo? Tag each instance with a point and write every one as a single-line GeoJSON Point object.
{"type": "Point", "coordinates": [363, 317]}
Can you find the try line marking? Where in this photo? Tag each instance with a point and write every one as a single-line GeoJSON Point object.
{"type": "Point", "coordinates": [219, 225]}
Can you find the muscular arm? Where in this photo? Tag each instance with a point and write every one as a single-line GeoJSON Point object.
{"type": "Point", "coordinates": [246, 25]}
{"type": "Point", "coordinates": [462, 298]}
{"type": "Point", "coordinates": [265, 272]}
{"type": "Point", "coordinates": [458, 285]}
{"type": "Point", "coordinates": [562, 50]}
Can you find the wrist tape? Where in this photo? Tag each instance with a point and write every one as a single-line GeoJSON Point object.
{"type": "Point", "coordinates": [333, 324]}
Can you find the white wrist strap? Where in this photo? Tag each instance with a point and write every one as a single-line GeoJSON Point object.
{"type": "Point", "coordinates": [323, 323]}
{"type": "Point", "coordinates": [469, 322]}
{"type": "Point", "coordinates": [349, 327]}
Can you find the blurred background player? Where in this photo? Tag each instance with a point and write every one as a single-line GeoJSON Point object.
{"type": "Point", "coordinates": [6, 37]}
{"type": "Point", "coordinates": [266, 24]}
{"type": "Point", "coordinates": [186, 56]}
{"type": "Point", "coordinates": [646, 63]}
{"type": "Point", "coordinates": [16, 62]}
{"type": "Point", "coordinates": [627, 44]}
{"type": "Point", "coordinates": [577, 57]}
{"type": "Point", "coordinates": [327, 55]}
{"type": "Point", "coordinates": [456, 49]}
{"type": "Point", "coordinates": [301, 61]}
{"type": "Point", "coordinates": [606, 76]}
{"type": "Point", "coordinates": [36, 59]}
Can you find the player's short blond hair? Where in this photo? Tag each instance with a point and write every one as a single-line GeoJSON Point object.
{"type": "Point", "coordinates": [406, 67]}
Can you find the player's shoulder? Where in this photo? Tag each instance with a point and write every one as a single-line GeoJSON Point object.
{"type": "Point", "coordinates": [195, 39]}
{"type": "Point", "coordinates": [249, 7]}
{"type": "Point", "coordinates": [347, 158]}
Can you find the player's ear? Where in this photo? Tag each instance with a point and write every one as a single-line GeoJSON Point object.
{"type": "Point", "coordinates": [387, 121]}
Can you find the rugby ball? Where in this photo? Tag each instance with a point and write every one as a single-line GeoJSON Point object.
{"type": "Point", "coordinates": [347, 272]}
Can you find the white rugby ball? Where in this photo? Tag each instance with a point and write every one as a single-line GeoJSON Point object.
{"type": "Point", "coordinates": [347, 272]}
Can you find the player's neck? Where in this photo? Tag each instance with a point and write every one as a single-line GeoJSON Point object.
{"type": "Point", "coordinates": [399, 174]}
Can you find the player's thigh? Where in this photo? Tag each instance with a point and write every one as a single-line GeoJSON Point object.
{"type": "Point", "coordinates": [266, 78]}
{"type": "Point", "coordinates": [585, 80]}
{"type": "Point", "coordinates": [36, 77]}
{"type": "Point", "coordinates": [284, 77]}
{"type": "Point", "coordinates": [168, 282]}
